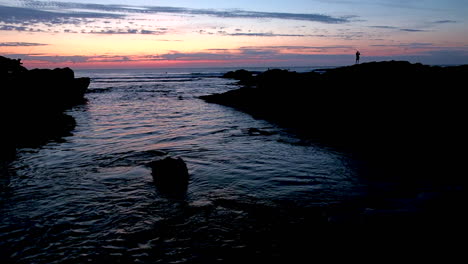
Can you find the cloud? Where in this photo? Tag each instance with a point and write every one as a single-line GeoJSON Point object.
{"type": "Point", "coordinates": [268, 34]}
{"type": "Point", "coordinates": [274, 55]}
{"type": "Point", "coordinates": [70, 59]}
{"type": "Point", "coordinates": [260, 53]}
{"type": "Point", "coordinates": [20, 44]}
{"type": "Point", "coordinates": [31, 15]}
{"type": "Point", "coordinates": [299, 49]}
{"type": "Point", "coordinates": [53, 10]}
{"type": "Point", "coordinates": [237, 33]}
{"type": "Point", "coordinates": [13, 28]}
{"type": "Point", "coordinates": [75, 18]}
{"type": "Point", "coordinates": [413, 45]}
{"type": "Point", "coordinates": [283, 54]}
{"type": "Point", "coordinates": [49, 58]}
{"type": "Point", "coordinates": [384, 27]}
{"type": "Point", "coordinates": [445, 22]}
{"type": "Point", "coordinates": [400, 29]}
{"type": "Point", "coordinates": [398, 4]}
{"type": "Point", "coordinates": [412, 30]}
{"type": "Point", "coordinates": [270, 15]}
{"type": "Point", "coordinates": [125, 31]}
{"type": "Point", "coordinates": [426, 28]}
{"type": "Point", "coordinates": [224, 55]}
{"type": "Point", "coordinates": [197, 56]}
{"type": "Point", "coordinates": [308, 55]}
{"type": "Point", "coordinates": [95, 30]}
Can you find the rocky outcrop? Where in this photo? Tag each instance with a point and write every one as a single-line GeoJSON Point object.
{"type": "Point", "coordinates": [238, 74]}
{"type": "Point", "coordinates": [32, 103]}
{"type": "Point", "coordinates": [404, 117]}
{"type": "Point", "coordinates": [170, 174]}
{"type": "Point", "coordinates": [243, 76]}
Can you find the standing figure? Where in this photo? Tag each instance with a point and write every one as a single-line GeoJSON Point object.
{"type": "Point", "coordinates": [357, 56]}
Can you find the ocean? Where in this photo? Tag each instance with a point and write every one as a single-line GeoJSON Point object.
{"type": "Point", "coordinates": [90, 198]}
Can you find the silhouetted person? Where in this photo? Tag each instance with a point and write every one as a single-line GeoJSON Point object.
{"type": "Point", "coordinates": [357, 56]}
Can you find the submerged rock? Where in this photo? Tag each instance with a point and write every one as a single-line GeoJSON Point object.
{"type": "Point", "coordinates": [170, 174]}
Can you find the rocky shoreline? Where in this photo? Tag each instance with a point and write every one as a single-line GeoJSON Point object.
{"type": "Point", "coordinates": [32, 105]}
{"type": "Point", "coordinates": [407, 119]}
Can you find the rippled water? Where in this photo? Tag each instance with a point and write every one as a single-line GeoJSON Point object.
{"type": "Point", "coordinates": [92, 199]}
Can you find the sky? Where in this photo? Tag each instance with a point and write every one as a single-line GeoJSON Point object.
{"type": "Point", "coordinates": [240, 33]}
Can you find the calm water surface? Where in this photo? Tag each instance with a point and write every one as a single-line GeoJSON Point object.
{"type": "Point", "coordinates": [91, 198]}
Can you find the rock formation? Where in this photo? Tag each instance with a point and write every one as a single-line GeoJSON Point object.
{"type": "Point", "coordinates": [170, 174]}
{"type": "Point", "coordinates": [406, 118]}
{"type": "Point", "coordinates": [32, 103]}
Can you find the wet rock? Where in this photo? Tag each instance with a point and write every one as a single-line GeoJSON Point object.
{"type": "Point", "coordinates": [170, 174]}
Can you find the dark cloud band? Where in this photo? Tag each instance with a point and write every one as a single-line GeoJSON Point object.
{"type": "Point", "coordinates": [20, 44]}
{"type": "Point", "coordinates": [10, 14]}
{"type": "Point", "coordinates": [41, 11]}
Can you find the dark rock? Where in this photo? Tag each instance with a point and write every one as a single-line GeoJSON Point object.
{"type": "Point", "coordinates": [238, 75]}
{"type": "Point", "coordinates": [32, 103]}
{"type": "Point", "coordinates": [400, 116]}
{"type": "Point", "coordinates": [170, 174]}
{"type": "Point", "coordinates": [276, 78]}
{"type": "Point", "coordinates": [10, 67]}
{"type": "Point", "coordinates": [244, 77]}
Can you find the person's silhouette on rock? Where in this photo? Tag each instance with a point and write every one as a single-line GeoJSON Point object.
{"type": "Point", "coordinates": [357, 56]}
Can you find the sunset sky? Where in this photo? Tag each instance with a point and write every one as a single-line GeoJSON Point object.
{"type": "Point", "coordinates": [207, 33]}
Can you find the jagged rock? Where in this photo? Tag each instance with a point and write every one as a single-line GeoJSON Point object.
{"type": "Point", "coordinates": [170, 173]}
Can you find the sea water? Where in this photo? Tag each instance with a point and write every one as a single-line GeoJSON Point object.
{"type": "Point", "coordinates": [90, 198]}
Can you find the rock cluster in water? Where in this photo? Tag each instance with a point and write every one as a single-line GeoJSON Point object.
{"type": "Point", "coordinates": [407, 118]}
{"type": "Point", "coordinates": [32, 104]}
